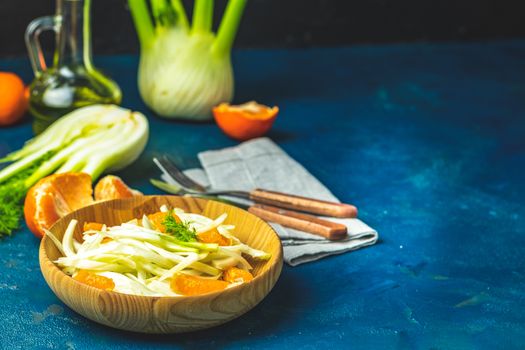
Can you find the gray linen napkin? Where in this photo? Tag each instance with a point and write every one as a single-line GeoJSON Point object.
{"type": "Point", "coordinates": [260, 163]}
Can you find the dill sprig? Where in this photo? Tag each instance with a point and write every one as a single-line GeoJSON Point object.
{"type": "Point", "coordinates": [180, 230]}
{"type": "Point", "coordinates": [12, 193]}
{"type": "Point", "coordinates": [11, 207]}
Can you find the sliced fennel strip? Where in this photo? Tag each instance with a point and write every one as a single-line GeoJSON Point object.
{"type": "Point", "coordinates": [148, 259]}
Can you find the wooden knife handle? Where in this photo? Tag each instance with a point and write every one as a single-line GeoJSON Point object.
{"type": "Point", "coordinates": [299, 221]}
{"type": "Point", "coordinates": [309, 205]}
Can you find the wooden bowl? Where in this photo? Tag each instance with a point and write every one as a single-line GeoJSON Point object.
{"type": "Point", "coordinates": [164, 314]}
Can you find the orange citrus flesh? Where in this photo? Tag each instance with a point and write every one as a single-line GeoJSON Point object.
{"type": "Point", "coordinates": [158, 218]}
{"type": "Point", "coordinates": [13, 98]}
{"type": "Point", "coordinates": [193, 285]}
{"type": "Point", "coordinates": [94, 280]}
{"type": "Point", "coordinates": [95, 226]}
{"type": "Point", "coordinates": [213, 236]}
{"type": "Point", "coordinates": [250, 110]}
{"type": "Point", "coordinates": [112, 187]}
{"type": "Point", "coordinates": [74, 188]}
{"type": "Point", "coordinates": [55, 196]}
{"type": "Point", "coordinates": [234, 274]}
{"type": "Point", "coordinates": [246, 121]}
{"type": "Point", "coordinates": [92, 226]}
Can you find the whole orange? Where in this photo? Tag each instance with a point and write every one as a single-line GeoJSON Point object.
{"type": "Point", "coordinates": [13, 98]}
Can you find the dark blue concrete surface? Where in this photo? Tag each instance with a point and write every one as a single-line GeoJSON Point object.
{"type": "Point", "coordinates": [428, 141]}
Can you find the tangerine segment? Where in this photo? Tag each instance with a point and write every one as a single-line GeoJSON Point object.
{"type": "Point", "coordinates": [55, 196]}
{"type": "Point", "coordinates": [234, 274]}
{"type": "Point", "coordinates": [213, 236]}
{"type": "Point", "coordinates": [75, 189]}
{"type": "Point", "coordinates": [194, 285]}
{"type": "Point", "coordinates": [94, 280]}
{"type": "Point", "coordinates": [112, 187]}
{"type": "Point", "coordinates": [92, 226]}
{"type": "Point", "coordinates": [95, 226]}
{"type": "Point", "coordinates": [158, 218]}
{"type": "Point", "coordinates": [39, 208]}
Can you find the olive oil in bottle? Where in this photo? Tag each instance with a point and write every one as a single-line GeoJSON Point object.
{"type": "Point", "coordinates": [72, 82]}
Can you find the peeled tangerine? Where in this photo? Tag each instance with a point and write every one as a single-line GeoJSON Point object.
{"type": "Point", "coordinates": [246, 121]}
{"type": "Point", "coordinates": [112, 187]}
{"type": "Point", "coordinates": [94, 280]}
{"type": "Point", "coordinates": [158, 218]}
{"type": "Point", "coordinates": [234, 274]}
{"type": "Point", "coordinates": [92, 226]}
{"type": "Point", "coordinates": [193, 285]}
{"type": "Point", "coordinates": [213, 236]}
{"type": "Point", "coordinates": [56, 195]}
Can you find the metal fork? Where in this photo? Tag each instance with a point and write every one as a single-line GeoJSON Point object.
{"type": "Point", "coordinates": [277, 199]}
{"type": "Point", "coordinates": [287, 218]}
{"type": "Point", "coordinates": [166, 165]}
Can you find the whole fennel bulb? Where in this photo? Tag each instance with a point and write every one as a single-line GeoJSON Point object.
{"type": "Point", "coordinates": [185, 71]}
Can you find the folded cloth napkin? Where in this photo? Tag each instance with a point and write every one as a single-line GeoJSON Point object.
{"type": "Point", "coordinates": [260, 163]}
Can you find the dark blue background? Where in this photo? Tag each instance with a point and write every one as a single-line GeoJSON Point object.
{"type": "Point", "coordinates": [427, 140]}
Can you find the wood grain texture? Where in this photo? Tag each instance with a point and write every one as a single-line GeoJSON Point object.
{"type": "Point", "coordinates": [164, 314]}
{"type": "Point", "coordinates": [300, 221]}
{"type": "Point", "coordinates": [309, 205]}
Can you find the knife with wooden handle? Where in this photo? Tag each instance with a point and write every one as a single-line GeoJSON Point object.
{"type": "Point", "coordinates": [309, 205]}
{"type": "Point", "coordinates": [300, 221]}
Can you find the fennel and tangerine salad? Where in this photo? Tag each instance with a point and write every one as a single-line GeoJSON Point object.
{"type": "Point", "coordinates": [168, 253]}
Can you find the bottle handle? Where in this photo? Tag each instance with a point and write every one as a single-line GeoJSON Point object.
{"type": "Point", "coordinates": [35, 27]}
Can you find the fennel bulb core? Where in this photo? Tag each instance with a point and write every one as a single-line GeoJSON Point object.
{"type": "Point", "coordinates": [181, 77]}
